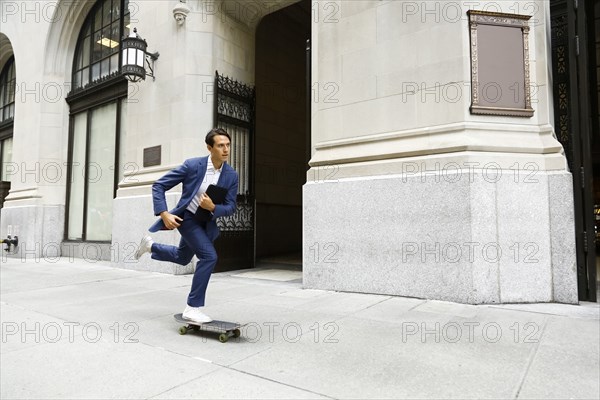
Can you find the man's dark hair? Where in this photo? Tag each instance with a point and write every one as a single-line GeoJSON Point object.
{"type": "Point", "coordinates": [210, 136]}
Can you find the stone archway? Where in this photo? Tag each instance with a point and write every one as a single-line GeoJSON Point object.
{"type": "Point", "coordinates": [6, 49]}
{"type": "Point", "coordinates": [36, 202]}
{"type": "Point", "coordinates": [61, 40]}
{"type": "Point", "coordinates": [6, 127]}
{"type": "Point", "coordinates": [249, 13]}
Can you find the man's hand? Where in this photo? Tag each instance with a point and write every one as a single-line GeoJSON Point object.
{"type": "Point", "coordinates": [207, 203]}
{"type": "Point", "coordinates": [171, 221]}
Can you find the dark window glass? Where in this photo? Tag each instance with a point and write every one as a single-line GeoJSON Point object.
{"type": "Point", "coordinates": [97, 51]}
{"type": "Point", "coordinates": [7, 90]}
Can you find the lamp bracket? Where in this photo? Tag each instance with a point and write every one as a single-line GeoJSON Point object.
{"type": "Point", "coordinates": [150, 58]}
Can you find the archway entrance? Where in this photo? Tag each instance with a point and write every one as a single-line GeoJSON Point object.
{"type": "Point", "coordinates": [282, 147]}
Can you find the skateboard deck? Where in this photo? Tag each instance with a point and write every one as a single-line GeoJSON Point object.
{"type": "Point", "coordinates": [225, 328]}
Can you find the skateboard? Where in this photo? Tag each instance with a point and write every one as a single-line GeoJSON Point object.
{"type": "Point", "coordinates": [226, 329]}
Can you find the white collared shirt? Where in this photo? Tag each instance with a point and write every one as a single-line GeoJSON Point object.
{"type": "Point", "coordinates": [211, 178]}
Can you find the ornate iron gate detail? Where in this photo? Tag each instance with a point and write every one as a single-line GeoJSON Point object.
{"type": "Point", "coordinates": [560, 73]}
{"type": "Point", "coordinates": [571, 86]}
{"type": "Point", "coordinates": [234, 112]}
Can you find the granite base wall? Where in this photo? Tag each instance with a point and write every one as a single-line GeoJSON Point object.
{"type": "Point", "coordinates": [132, 218]}
{"type": "Point", "coordinates": [40, 230]}
{"type": "Point", "coordinates": [474, 236]}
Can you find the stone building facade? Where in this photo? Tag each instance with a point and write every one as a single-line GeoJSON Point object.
{"type": "Point", "coordinates": [355, 130]}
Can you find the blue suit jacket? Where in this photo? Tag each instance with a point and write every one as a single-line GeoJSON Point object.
{"type": "Point", "coordinates": [191, 173]}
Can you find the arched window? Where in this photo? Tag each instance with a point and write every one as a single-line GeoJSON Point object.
{"type": "Point", "coordinates": [97, 52]}
{"type": "Point", "coordinates": [7, 91]}
{"type": "Point", "coordinates": [7, 113]}
{"type": "Point", "coordinates": [97, 113]}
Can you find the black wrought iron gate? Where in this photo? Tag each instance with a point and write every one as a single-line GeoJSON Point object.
{"type": "Point", "coordinates": [571, 81]}
{"type": "Point", "coordinates": [235, 112]}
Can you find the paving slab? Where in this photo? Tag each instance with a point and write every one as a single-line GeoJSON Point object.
{"type": "Point", "coordinates": [22, 328]}
{"type": "Point", "coordinates": [343, 303]}
{"type": "Point", "coordinates": [271, 274]}
{"type": "Point", "coordinates": [445, 307]}
{"type": "Point", "coordinates": [135, 307]}
{"type": "Point", "coordinates": [158, 281]}
{"type": "Point", "coordinates": [390, 310]}
{"type": "Point", "coordinates": [284, 297]}
{"type": "Point", "coordinates": [26, 278]}
{"type": "Point", "coordinates": [366, 361]}
{"type": "Point", "coordinates": [566, 363]}
{"type": "Point", "coordinates": [559, 374]}
{"type": "Point", "coordinates": [583, 310]}
{"type": "Point", "coordinates": [235, 289]}
{"type": "Point", "coordinates": [505, 326]}
{"type": "Point", "coordinates": [230, 384]}
{"type": "Point", "coordinates": [96, 291]}
{"type": "Point", "coordinates": [81, 369]}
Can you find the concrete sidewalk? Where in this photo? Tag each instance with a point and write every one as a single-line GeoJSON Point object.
{"type": "Point", "coordinates": [76, 330]}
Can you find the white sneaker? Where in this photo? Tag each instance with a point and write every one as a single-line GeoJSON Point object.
{"type": "Point", "coordinates": [145, 247]}
{"type": "Point", "coordinates": [194, 314]}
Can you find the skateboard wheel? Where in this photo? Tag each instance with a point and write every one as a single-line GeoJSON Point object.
{"type": "Point", "coordinates": [236, 333]}
{"type": "Point", "coordinates": [182, 330]}
{"type": "Point", "coordinates": [223, 338]}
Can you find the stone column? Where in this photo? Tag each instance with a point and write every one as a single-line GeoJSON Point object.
{"type": "Point", "coordinates": [409, 193]}
{"type": "Point", "coordinates": [43, 37]}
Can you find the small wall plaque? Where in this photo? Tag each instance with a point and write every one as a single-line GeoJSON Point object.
{"type": "Point", "coordinates": [152, 156]}
{"type": "Point", "coordinates": [500, 83]}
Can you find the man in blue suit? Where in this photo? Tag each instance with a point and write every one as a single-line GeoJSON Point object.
{"type": "Point", "coordinates": [197, 237]}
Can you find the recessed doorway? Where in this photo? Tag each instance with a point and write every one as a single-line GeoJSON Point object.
{"type": "Point", "coordinates": [282, 147]}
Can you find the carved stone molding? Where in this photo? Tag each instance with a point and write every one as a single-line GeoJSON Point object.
{"type": "Point", "coordinates": [520, 89]}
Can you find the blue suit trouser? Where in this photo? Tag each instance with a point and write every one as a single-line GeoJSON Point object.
{"type": "Point", "coordinates": [194, 241]}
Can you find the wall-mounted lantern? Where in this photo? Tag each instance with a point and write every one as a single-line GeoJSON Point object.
{"type": "Point", "coordinates": [135, 58]}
